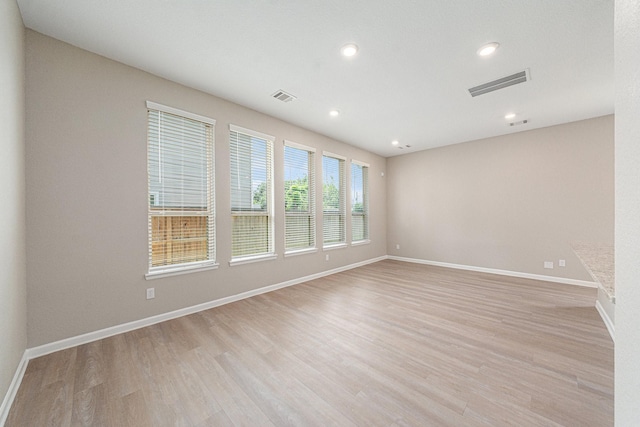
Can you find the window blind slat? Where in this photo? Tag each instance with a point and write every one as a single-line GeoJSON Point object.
{"type": "Point", "coordinates": [181, 201]}
{"type": "Point", "coordinates": [299, 188]}
{"type": "Point", "coordinates": [359, 201]}
{"type": "Point", "coordinates": [333, 200]}
{"type": "Point", "coordinates": [251, 193]}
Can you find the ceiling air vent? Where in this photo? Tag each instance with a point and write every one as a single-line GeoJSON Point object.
{"type": "Point", "coordinates": [521, 122]}
{"type": "Point", "coordinates": [284, 96]}
{"type": "Point", "coordinates": [514, 79]}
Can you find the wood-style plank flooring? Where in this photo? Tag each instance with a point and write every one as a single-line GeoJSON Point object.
{"type": "Point", "coordinates": [388, 344]}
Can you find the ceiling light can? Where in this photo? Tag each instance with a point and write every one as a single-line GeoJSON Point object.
{"type": "Point", "coordinates": [349, 50]}
{"type": "Point", "coordinates": [334, 113]}
{"type": "Point", "coordinates": [488, 49]}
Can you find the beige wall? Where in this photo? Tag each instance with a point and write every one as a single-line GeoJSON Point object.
{"type": "Point", "coordinates": [507, 203]}
{"type": "Point", "coordinates": [87, 195]}
{"type": "Point", "coordinates": [13, 290]}
{"type": "Point", "coordinates": [627, 152]}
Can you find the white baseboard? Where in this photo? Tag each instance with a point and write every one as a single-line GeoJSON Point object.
{"type": "Point", "coordinates": [44, 349]}
{"type": "Point", "coordinates": [500, 272]}
{"type": "Point", "coordinates": [13, 389]}
{"type": "Point", "coordinates": [607, 320]}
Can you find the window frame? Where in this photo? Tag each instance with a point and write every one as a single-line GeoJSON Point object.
{"type": "Point", "coordinates": [210, 211]}
{"type": "Point", "coordinates": [342, 201]}
{"type": "Point", "coordinates": [270, 207]}
{"type": "Point", "coordinates": [365, 202]}
{"type": "Point", "coordinates": [311, 192]}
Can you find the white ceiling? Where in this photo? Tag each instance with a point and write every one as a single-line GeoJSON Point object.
{"type": "Point", "coordinates": [408, 82]}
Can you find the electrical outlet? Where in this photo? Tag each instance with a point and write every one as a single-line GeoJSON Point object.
{"type": "Point", "coordinates": [562, 263]}
{"type": "Point", "coordinates": [151, 293]}
{"type": "Point", "coordinates": [397, 246]}
{"type": "Point", "coordinates": [548, 264]}
{"type": "Point", "coordinates": [326, 257]}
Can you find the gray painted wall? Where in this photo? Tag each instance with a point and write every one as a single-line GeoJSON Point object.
{"type": "Point", "coordinates": [509, 202]}
{"type": "Point", "coordinates": [627, 152]}
{"type": "Point", "coordinates": [87, 195]}
{"type": "Point", "coordinates": [13, 289]}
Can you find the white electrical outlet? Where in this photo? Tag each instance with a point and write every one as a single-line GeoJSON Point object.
{"type": "Point", "coordinates": [151, 293]}
{"type": "Point", "coordinates": [397, 246]}
{"type": "Point", "coordinates": [562, 263]}
{"type": "Point", "coordinates": [548, 264]}
{"type": "Point", "coordinates": [326, 257]}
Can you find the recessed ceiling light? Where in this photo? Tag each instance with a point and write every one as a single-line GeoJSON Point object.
{"type": "Point", "coordinates": [394, 142]}
{"type": "Point", "coordinates": [349, 50]}
{"type": "Point", "coordinates": [510, 116]}
{"type": "Point", "coordinates": [334, 113]}
{"type": "Point", "coordinates": [488, 49]}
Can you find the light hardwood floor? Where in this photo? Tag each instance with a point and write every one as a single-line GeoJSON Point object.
{"type": "Point", "coordinates": [389, 344]}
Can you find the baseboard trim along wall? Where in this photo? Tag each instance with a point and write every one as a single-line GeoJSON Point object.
{"type": "Point", "coordinates": [32, 353]}
{"type": "Point", "coordinates": [554, 279]}
{"type": "Point", "coordinates": [13, 389]}
{"type": "Point", "coordinates": [44, 349]}
{"type": "Point", "coordinates": [607, 320]}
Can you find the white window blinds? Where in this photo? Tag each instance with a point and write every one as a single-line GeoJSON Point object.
{"type": "Point", "coordinates": [359, 201]}
{"type": "Point", "coordinates": [299, 195]}
{"type": "Point", "coordinates": [181, 201]}
{"type": "Point", "coordinates": [251, 192]}
{"type": "Point", "coordinates": [333, 200]}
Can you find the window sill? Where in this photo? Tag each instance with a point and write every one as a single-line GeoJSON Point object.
{"type": "Point", "coordinates": [159, 273]}
{"type": "Point", "coordinates": [250, 259]}
{"type": "Point", "coordinates": [335, 246]}
{"type": "Point", "coordinates": [361, 242]}
{"type": "Point", "coordinates": [301, 252]}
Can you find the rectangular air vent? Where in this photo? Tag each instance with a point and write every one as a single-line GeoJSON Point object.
{"type": "Point", "coordinates": [514, 79]}
{"type": "Point", "coordinates": [284, 96]}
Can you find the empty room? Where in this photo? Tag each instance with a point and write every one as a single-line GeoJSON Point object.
{"type": "Point", "coordinates": [269, 213]}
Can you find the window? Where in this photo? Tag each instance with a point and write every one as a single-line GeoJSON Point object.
{"type": "Point", "coordinates": [299, 197]}
{"type": "Point", "coordinates": [333, 200]}
{"type": "Point", "coordinates": [181, 202]}
{"type": "Point", "coordinates": [359, 201]}
{"type": "Point", "coordinates": [251, 194]}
